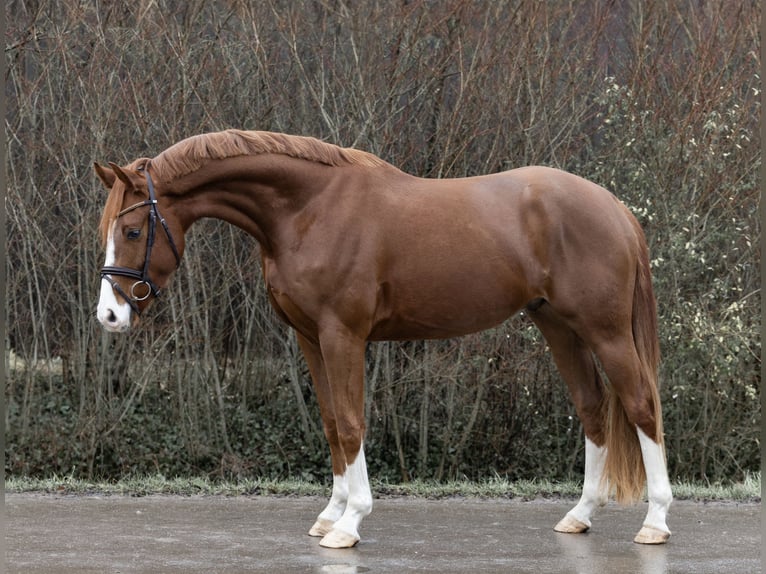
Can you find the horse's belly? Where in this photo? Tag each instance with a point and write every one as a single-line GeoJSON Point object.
{"type": "Point", "coordinates": [443, 311]}
{"type": "Point", "coordinates": [414, 328]}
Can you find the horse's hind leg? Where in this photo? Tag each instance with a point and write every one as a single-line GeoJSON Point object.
{"type": "Point", "coordinates": [640, 404]}
{"type": "Point", "coordinates": [575, 363]}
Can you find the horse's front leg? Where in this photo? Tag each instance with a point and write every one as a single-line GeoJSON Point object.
{"type": "Point", "coordinates": [337, 369]}
{"type": "Point", "coordinates": [334, 509]}
{"type": "Point", "coordinates": [337, 505]}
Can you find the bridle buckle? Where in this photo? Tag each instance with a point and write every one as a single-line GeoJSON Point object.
{"type": "Point", "coordinates": [146, 295]}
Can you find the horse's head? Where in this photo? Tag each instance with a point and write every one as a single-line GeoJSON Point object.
{"type": "Point", "coordinates": [143, 248]}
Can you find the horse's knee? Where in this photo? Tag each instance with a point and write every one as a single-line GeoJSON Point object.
{"type": "Point", "coordinates": [330, 431]}
{"type": "Point", "coordinates": [350, 437]}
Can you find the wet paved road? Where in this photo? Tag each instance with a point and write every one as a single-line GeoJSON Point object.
{"type": "Point", "coordinates": [172, 534]}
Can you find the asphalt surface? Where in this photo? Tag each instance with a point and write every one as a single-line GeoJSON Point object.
{"type": "Point", "coordinates": [211, 534]}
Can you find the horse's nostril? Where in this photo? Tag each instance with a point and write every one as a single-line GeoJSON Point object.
{"type": "Point", "coordinates": [111, 318]}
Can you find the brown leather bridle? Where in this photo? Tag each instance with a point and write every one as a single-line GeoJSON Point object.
{"type": "Point", "coordinates": [143, 281]}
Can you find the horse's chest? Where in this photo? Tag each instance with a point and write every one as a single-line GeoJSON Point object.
{"type": "Point", "coordinates": [293, 296]}
{"type": "Point", "coordinates": [289, 309]}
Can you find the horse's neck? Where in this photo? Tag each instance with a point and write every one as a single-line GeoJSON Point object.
{"type": "Point", "coordinates": [255, 193]}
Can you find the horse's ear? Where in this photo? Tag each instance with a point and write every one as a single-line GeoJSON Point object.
{"type": "Point", "coordinates": [105, 174]}
{"type": "Point", "coordinates": [121, 175]}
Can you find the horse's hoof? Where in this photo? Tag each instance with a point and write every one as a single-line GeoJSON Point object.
{"type": "Point", "coordinates": [321, 527]}
{"type": "Point", "coordinates": [650, 535]}
{"type": "Point", "coordinates": [570, 525]}
{"type": "Point", "coordinates": [338, 539]}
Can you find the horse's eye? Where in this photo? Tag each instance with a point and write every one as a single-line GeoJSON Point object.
{"type": "Point", "coordinates": [134, 233]}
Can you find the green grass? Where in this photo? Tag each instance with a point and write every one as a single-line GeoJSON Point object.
{"type": "Point", "coordinates": [158, 484]}
{"type": "Point", "coordinates": [747, 491]}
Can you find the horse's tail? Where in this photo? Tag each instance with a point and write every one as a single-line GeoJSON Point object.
{"type": "Point", "coordinates": [624, 467]}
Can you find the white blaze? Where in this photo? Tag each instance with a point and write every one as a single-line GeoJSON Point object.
{"type": "Point", "coordinates": [112, 314]}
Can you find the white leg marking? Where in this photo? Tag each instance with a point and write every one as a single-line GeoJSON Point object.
{"type": "Point", "coordinates": [657, 483]}
{"type": "Point", "coordinates": [334, 509]}
{"type": "Point", "coordinates": [337, 505]}
{"type": "Point", "coordinates": [345, 531]}
{"type": "Point", "coordinates": [113, 315]}
{"type": "Point", "coordinates": [594, 493]}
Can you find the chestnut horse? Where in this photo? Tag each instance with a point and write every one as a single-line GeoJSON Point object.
{"type": "Point", "coordinates": [355, 250]}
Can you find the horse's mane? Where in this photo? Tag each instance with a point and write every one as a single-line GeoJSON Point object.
{"type": "Point", "coordinates": [190, 154]}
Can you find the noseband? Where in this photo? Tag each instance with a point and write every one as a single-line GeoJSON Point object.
{"type": "Point", "coordinates": [143, 281]}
